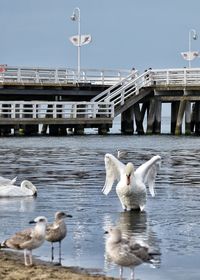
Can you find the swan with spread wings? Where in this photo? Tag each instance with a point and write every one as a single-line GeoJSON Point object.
{"type": "Point", "coordinates": [131, 187]}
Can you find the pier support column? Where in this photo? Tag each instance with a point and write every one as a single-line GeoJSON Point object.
{"type": "Point", "coordinates": [181, 110]}
{"type": "Point", "coordinates": [188, 118]}
{"type": "Point", "coordinates": [127, 125]}
{"type": "Point", "coordinates": [103, 129]}
{"type": "Point", "coordinates": [174, 113]}
{"type": "Point", "coordinates": [138, 119]}
{"type": "Point", "coordinates": [197, 118]}
{"type": "Point", "coordinates": [157, 122]}
{"type": "Point", "coordinates": [79, 129]}
{"type": "Point", "coordinates": [151, 117]}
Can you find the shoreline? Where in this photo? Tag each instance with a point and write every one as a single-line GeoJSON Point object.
{"type": "Point", "coordinates": [13, 268]}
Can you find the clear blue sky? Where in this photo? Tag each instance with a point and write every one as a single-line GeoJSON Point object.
{"type": "Point", "coordinates": [125, 33]}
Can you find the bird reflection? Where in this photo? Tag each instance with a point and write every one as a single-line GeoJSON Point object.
{"type": "Point", "coordinates": [18, 204]}
{"type": "Point", "coordinates": [134, 226]}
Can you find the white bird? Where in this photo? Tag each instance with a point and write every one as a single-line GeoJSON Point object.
{"type": "Point", "coordinates": [10, 190]}
{"type": "Point", "coordinates": [131, 188]}
{"type": "Point", "coordinates": [56, 232]}
{"type": "Point", "coordinates": [5, 181]}
{"type": "Point", "coordinates": [28, 239]}
{"type": "Point", "coordinates": [124, 252]}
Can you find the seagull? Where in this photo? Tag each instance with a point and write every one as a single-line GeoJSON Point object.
{"type": "Point", "coordinates": [5, 181]}
{"type": "Point", "coordinates": [10, 190]}
{"type": "Point", "coordinates": [56, 232]}
{"type": "Point", "coordinates": [131, 188]}
{"type": "Point", "coordinates": [125, 252]}
{"type": "Point", "coordinates": [28, 239]}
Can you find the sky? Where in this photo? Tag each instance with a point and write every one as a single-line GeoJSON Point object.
{"type": "Point", "coordinates": [125, 33]}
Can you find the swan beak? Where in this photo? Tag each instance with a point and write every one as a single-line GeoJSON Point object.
{"type": "Point", "coordinates": [69, 216]}
{"type": "Point", "coordinates": [106, 232]}
{"type": "Point", "coordinates": [128, 179]}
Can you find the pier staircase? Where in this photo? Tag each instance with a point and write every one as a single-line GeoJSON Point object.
{"type": "Point", "coordinates": [127, 92]}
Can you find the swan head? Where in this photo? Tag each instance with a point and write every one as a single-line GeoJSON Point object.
{"type": "Point", "coordinates": [61, 215]}
{"type": "Point", "coordinates": [129, 170]}
{"type": "Point", "coordinates": [28, 185]}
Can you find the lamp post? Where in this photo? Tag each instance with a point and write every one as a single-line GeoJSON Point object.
{"type": "Point", "coordinates": [192, 35]}
{"type": "Point", "coordinates": [76, 16]}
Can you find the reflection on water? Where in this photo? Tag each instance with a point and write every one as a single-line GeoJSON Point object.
{"type": "Point", "coordinates": [69, 174]}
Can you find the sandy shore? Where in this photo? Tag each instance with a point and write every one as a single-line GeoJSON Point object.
{"type": "Point", "coordinates": [12, 268]}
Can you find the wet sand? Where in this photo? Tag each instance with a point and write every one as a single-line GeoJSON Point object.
{"type": "Point", "coordinates": [12, 268]}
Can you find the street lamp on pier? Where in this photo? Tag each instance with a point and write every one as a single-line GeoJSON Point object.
{"type": "Point", "coordinates": [190, 55]}
{"type": "Point", "coordinates": [79, 40]}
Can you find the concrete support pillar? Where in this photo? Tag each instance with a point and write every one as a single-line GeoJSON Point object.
{"type": "Point", "coordinates": [181, 110]}
{"type": "Point", "coordinates": [197, 118]}
{"type": "Point", "coordinates": [151, 117]}
{"type": "Point", "coordinates": [157, 122]}
{"type": "Point", "coordinates": [174, 113]}
{"type": "Point", "coordinates": [103, 129]}
{"type": "Point", "coordinates": [188, 118]}
{"type": "Point", "coordinates": [79, 129]}
{"type": "Point", "coordinates": [127, 125]}
{"type": "Point", "coordinates": [138, 119]}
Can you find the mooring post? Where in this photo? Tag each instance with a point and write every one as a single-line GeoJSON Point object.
{"type": "Point", "coordinates": [157, 121]}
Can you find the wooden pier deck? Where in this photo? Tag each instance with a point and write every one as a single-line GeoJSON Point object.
{"type": "Point", "coordinates": [30, 97]}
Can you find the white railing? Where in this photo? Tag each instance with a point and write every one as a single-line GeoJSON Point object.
{"type": "Point", "coordinates": [61, 76]}
{"type": "Point", "coordinates": [123, 90]}
{"type": "Point", "coordinates": [55, 110]}
{"type": "Point", "coordinates": [131, 85]}
{"type": "Point", "coordinates": [180, 77]}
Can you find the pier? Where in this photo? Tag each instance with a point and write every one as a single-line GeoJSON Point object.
{"type": "Point", "coordinates": [58, 100]}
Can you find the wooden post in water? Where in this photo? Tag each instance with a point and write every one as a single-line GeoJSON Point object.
{"type": "Point", "coordinates": [188, 118]}
{"type": "Point", "coordinates": [157, 122]}
{"type": "Point", "coordinates": [151, 116]}
{"type": "Point", "coordinates": [127, 125]}
{"type": "Point", "coordinates": [139, 117]}
{"type": "Point", "coordinates": [174, 113]}
{"type": "Point", "coordinates": [197, 118]}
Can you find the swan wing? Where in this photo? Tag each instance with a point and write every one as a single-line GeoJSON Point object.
{"type": "Point", "coordinates": [114, 168]}
{"type": "Point", "coordinates": [147, 172]}
{"type": "Point", "coordinates": [5, 181]}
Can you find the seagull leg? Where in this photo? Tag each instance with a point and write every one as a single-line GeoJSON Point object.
{"type": "Point", "coordinates": [59, 252]}
{"type": "Point", "coordinates": [52, 252]}
{"type": "Point", "coordinates": [30, 257]}
{"type": "Point", "coordinates": [132, 273]}
{"type": "Point", "coordinates": [121, 272]}
{"type": "Point", "coordinates": [25, 260]}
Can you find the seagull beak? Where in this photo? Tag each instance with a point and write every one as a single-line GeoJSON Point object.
{"type": "Point", "coordinates": [32, 222]}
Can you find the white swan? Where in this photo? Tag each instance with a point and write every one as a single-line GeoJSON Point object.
{"type": "Point", "coordinates": [26, 189]}
{"type": "Point", "coordinates": [131, 188]}
{"type": "Point", "coordinates": [125, 252]}
{"type": "Point", "coordinates": [5, 181]}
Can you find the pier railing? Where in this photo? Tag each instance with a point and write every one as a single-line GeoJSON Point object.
{"type": "Point", "coordinates": [22, 110]}
{"type": "Point", "coordinates": [132, 84]}
{"type": "Point", "coordinates": [21, 75]}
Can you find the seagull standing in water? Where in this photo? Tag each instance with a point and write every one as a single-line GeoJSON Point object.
{"type": "Point", "coordinates": [124, 252]}
{"type": "Point", "coordinates": [28, 239]}
{"type": "Point", "coordinates": [131, 187]}
{"type": "Point", "coordinates": [56, 232]}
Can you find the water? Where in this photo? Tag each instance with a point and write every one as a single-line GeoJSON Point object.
{"type": "Point", "coordinates": [69, 174]}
